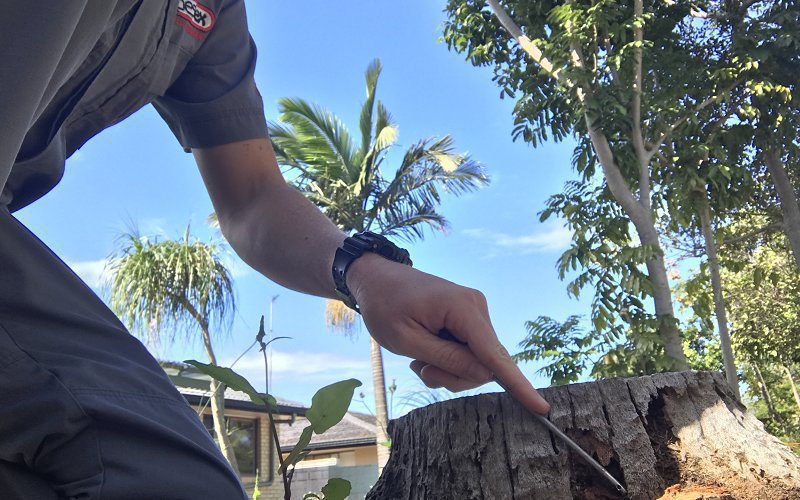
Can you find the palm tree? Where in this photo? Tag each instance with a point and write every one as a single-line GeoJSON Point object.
{"type": "Point", "coordinates": [348, 182]}
{"type": "Point", "coordinates": [166, 289]}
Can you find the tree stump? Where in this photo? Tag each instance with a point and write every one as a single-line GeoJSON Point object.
{"type": "Point", "coordinates": [655, 434]}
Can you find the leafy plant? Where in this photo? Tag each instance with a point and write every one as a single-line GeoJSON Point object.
{"type": "Point", "coordinates": [328, 406]}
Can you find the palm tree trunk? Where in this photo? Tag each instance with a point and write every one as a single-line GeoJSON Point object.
{"type": "Point", "coordinates": [719, 300]}
{"type": "Point", "coordinates": [218, 407]}
{"type": "Point", "coordinates": [381, 413]}
{"type": "Point", "coordinates": [789, 204]}
{"type": "Point", "coordinates": [794, 386]}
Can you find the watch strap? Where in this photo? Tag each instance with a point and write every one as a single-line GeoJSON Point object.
{"type": "Point", "coordinates": [354, 247]}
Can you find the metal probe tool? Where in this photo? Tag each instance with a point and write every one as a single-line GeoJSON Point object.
{"type": "Point", "coordinates": [445, 334]}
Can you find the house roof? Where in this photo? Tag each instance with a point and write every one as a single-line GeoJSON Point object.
{"type": "Point", "coordinates": [355, 429]}
{"type": "Point", "coordinates": [239, 401]}
{"type": "Point", "coordinates": [195, 387]}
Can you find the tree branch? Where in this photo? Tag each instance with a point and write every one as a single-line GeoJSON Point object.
{"type": "Point", "coordinates": [613, 175]}
{"type": "Point", "coordinates": [636, 107]}
{"type": "Point", "coordinates": [711, 100]}
{"type": "Point", "coordinates": [775, 226]}
{"type": "Point", "coordinates": [528, 46]}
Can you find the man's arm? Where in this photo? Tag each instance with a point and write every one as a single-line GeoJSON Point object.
{"type": "Point", "coordinates": [278, 232]}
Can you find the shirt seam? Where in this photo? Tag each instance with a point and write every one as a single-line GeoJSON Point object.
{"type": "Point", "coordinates": [215, 115]}
{"type": "Point", "coordinates": [129, 395]}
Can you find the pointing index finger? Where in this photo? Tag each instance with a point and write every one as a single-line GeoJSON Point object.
{"type": "Point", "coordinates": [488, 349]}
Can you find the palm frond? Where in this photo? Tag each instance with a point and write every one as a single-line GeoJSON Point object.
{"type": "Point", "coordinates": [365, 123]}
{"type": "Point", "coordinates": [385, 137]}
{"type": "Point", "coordinates": [318, 139]}
{"type": "Point", "coordinates": [385, 129]}
{"type": "Point", "coordinates": [426, 167]}
{"type": "Point", "coordinates": [407, 220]}
{"type": "Point", "coordinates": [349, 185]}
{"type": "Point", "coordinates": [340, 318]}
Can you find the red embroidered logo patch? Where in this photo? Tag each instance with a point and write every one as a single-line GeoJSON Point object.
{"type": "Point", "coordinates": [195, 17]}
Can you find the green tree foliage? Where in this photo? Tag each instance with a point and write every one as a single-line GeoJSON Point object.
{"type": "Point", "coordinates": [621, 78]}
{"type": "Point", "coordinates": [767, 37]}
{"type": "Point", "coordinates": [762, 287]}
{"type": "Point", "coordinates": [665, 99]}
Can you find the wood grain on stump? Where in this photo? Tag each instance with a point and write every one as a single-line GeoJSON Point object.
{"type": "Point", "coordinates": [650, 432]}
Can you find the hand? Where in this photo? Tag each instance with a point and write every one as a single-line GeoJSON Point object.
{"type": "Point", "coordinates": [404, 308]}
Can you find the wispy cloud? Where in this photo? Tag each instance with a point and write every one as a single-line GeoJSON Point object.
{"type": "Point", "coordinates": [93, 272]}
{"type": "Point", "coordinates": [153, 226]}
{"type": "Point", "coordinates": [550, 237]}
{"type": "Point", "coordinates": [303, 365]}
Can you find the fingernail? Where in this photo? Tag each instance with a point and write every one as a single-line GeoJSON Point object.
{"type": "Point", "coordinates": [544, 405]}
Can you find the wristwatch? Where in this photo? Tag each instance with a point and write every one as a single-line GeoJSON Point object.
{"type": "Point", "coordinates": [354, 247]}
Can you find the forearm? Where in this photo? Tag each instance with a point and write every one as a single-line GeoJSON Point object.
{"type": "Point", "coordinates": [281, 234]}
{"type": "Point", "coordinates": [285, 237]}
{"type": "Point", "coordinates": [271, 225]}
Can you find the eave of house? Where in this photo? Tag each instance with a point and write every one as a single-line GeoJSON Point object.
{"type": "Point", "coordinates": [328, 445]}
{"type": "Point", "coordinates": [237, 404]}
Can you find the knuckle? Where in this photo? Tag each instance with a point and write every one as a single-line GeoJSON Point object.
{"type": "Point", "coordinates": [450, 359]}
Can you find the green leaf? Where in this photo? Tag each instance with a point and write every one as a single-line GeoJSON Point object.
{"type": "Point", "coordinates": [234, 381]}
{"type": "Point", "coordinates": [758, 277]}
{"type": "Point", "coordinates": [329, 404]}
{"type": "Point", "coordinates": [336, 489]}
{"type": "Point", "coordinates": [295, 455]}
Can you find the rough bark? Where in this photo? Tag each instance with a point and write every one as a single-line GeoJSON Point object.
{"type": "Point", "coordinates": [719, 301]}
{"type": "Point", "coordinates": [789, 204]}
{"type": "Point", "coordinates": [381, 413]}
{"type": "Point", "coordinates": [650, 432]}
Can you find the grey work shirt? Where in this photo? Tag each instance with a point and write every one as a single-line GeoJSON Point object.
{"type": "Point", "coordinates": [105, 59]}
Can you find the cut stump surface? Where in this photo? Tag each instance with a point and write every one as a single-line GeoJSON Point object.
{"type": "Point", "coordinates": [651, 433]}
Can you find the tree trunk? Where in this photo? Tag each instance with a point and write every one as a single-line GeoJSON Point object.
{"type": "Point", "coordinates": [218, 407]}
{"type": "Point", "coordinates": [638, 210]}
{"type": "Point", "coordinates": [794, 386]}
{"type": "Point", "coordinates": [762, 387]}
{"type": "Point", "coordinates": [789, 204]}
{"type": "Point", "coordinates": [381, 413]}
{"type": "Point", "coordinates": [719, 301]}
{"type": "Point", "coordinates": [650, 432]}
{"type": "Point", "coordinates": [642, 220]}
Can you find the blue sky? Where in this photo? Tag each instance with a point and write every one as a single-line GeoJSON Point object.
{"type": "Point", "coordinates": [136, 172]}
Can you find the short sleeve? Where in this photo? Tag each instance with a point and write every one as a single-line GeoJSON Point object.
{"type": "Point", "coordinates": [215, 101]}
